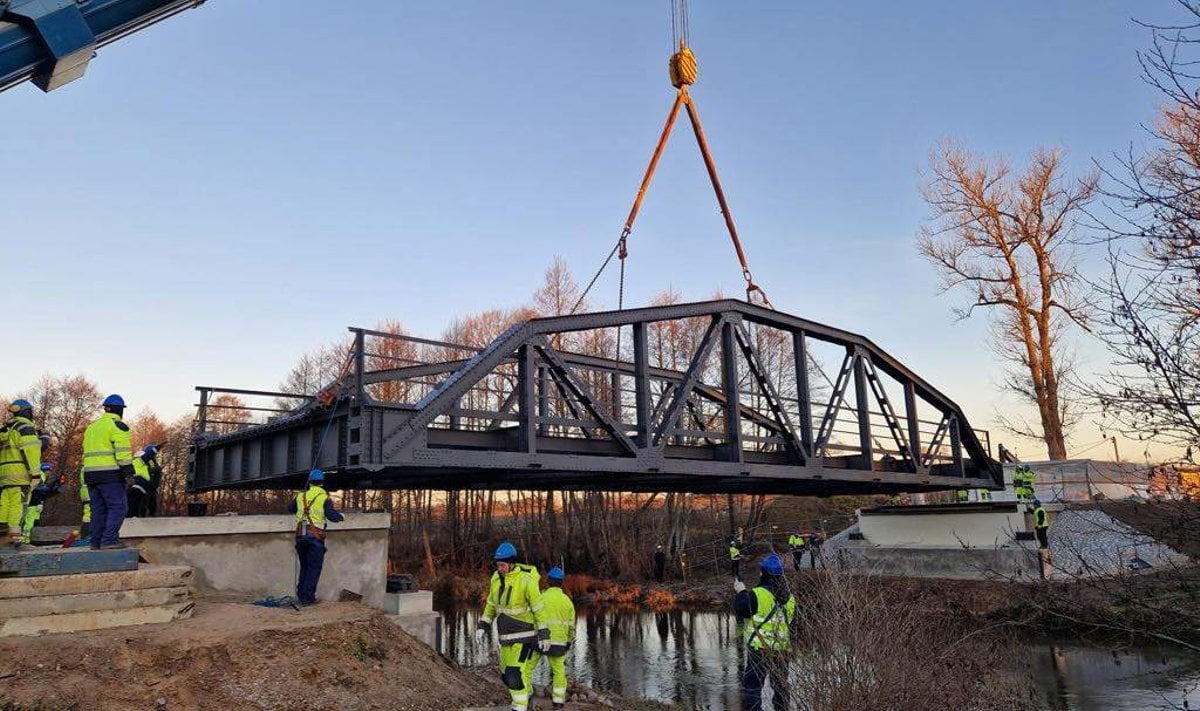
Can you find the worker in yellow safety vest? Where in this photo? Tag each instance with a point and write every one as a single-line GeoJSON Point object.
{"type": "Point", "coordinates": [515, 602]}
{"type": "Point", "coordinates": [107, 463]}
{"type": "Point", "coordinates": [766, 613]}
{"type": "Point", "coordinates": [313, 511]}
{"type": "Point", "coordinates": [143, 490]}
{"type": "Point", "coordinates": [1041, 524]}
{"type": "Point", "coordinates": [560, 618]}
{"type": "Point", "coordinates": [20, 468]}
{"type": "Point", "coordinates": [735, 558]}
{"type": "Point", "coordinates": [797, 542]}
{"type": "Point", "coordinates": [1023, 481]}
{"type": "Point", "coordinates": [85, 526]}
{"type": "Point", "coordinates": [41, 490]}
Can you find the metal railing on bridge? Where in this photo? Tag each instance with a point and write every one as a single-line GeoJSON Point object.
{"type": "Point", "coordinates": [720, 396]}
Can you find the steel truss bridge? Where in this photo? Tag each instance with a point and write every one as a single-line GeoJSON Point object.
{"type": "Point", "coordinates": [710, 397]}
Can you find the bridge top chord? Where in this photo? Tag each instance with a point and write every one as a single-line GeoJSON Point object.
{"type": "Point", "coordinates": [709, 397]}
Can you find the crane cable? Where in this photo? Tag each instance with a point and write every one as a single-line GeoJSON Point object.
{"type": "Point", "coordinates": [684, 71]}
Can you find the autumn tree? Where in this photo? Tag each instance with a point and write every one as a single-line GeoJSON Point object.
{"type": "Point", "coordinates": [384, 353]}
{"type": "Point", "coordinates": [172, 488]}
{"type": "Point", "coordinates": [1002, 237]}
{"type": "Point", "coordinates": [63, 406]}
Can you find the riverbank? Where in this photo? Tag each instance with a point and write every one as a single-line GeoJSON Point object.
{"type": "Point", "coordinates": [241, 657]}
{"type": "Point", "coordinates": [1161, 606]}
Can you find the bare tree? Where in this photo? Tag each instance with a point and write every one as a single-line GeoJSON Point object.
{"type": "Point", "coordinates": [1003, 236]}
{"type": "Point", "coordinates": [1151, 299]}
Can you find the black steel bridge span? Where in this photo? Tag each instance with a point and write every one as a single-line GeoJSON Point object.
{"type": "Point", "coordinates": [710, 397]}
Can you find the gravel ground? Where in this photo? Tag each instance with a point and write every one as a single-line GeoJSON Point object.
{"type": "Point", "coordinates": [1090, 542]}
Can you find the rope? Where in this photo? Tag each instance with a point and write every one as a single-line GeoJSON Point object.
{"type": "Point", "coordinates": [619, 246]}
{"type": "Point", "coordinates": [332, 403]}
{"type": "Point", "coordinates": [680, 23]}
{"type": "Point", "coordinates": [278, 601]}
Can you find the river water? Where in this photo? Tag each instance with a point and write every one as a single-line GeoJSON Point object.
{"type": "Point", "coordinates": [692, 658]}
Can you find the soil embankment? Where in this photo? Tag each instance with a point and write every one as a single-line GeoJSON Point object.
{"type": "Point", "coordinates": [237, 656]}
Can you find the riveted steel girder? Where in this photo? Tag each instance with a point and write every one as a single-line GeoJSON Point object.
{"type": "Point", "coordinates": [527, 412]}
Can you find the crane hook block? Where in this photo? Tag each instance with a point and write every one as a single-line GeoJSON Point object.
{"type": "Point", "coordinates": [682, 67]}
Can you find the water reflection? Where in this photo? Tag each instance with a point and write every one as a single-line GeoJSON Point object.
{"type": "Point", "coordinates": [1079, 678]}
{"type": "Point", "coordinates": [693, 658]}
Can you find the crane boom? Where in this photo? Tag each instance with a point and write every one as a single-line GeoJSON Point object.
{"type": "Point", "coordinates": [50, 42]}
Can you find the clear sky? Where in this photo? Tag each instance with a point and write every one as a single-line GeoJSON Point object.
{"type": "Point", "coordinates": [234, 186]}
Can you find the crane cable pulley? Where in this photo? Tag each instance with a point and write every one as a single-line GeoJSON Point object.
{"type": "Point", "coordinates": [683, 71]}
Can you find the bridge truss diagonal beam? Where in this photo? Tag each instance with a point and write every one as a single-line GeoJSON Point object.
{"type": "Point", "coordinates": [539, 407]}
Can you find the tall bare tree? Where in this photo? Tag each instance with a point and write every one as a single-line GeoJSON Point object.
{"type": "Point", "coordinates": [1003, 237]}
{"type": "Point", "coordinates": [1151, 300]}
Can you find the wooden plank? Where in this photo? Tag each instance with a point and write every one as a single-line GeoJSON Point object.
{"type": "Point", "coordinates": [66, 561]}
{"type": "Point", "coordinates": [94, 620]}
{"type": "Point", "coordinates": [42, 605]}
{"type": "Point", "coordinates": [146, 576]}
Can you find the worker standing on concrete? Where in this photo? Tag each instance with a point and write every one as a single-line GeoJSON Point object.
{"type": "Point", "coordinates": [660, 564]}
{"type": "Point", "coordinates": [797, 542]}
{"type": "Point", "coordinates": [107, 461]}
{"type": "Point", "coordinates": [1023, 480]}
{"type": "Point", "coordinates": [20, 468]}
{"type": "Point", "coordinates": [766, 613]}
{"type": "Point", "coordinates": [515, 602]}
{"type": "Point", "coordinates": [143, 489]}
{"type": "Point", "coordinates": [560, 618]}
{"type": "Point", "coordinates": [735, 558]}
{"type": "Point", "coordinates": [1041, 524]}
{"type": "Point", "coordinates": [47, 487]}
{"type": "Point", "coordinates": [313, 511]}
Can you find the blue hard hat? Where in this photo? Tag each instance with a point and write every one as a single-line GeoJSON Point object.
{"type": "Point", "coordinates": [114, 401]}
{"type": "Point", "coordinates": [1037, 502]}
{"type": "Point", "coordinates": [46, 466]}
{"type": "Point", "coordinates": [771, 564]}
{"type": "Point", "coordinates": [18, 405]}
{"type": "Point", "coordinates": [506, 551]}
{"type": "Point", "coordinates": [556, 573]}
{"type": "Point", "coordinates": [316, 475]}
{"type": "Point", "coordinates": [151, 450]}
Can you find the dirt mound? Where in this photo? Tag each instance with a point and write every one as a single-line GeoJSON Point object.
{"type": "Point", "coordinates": [238, 656]}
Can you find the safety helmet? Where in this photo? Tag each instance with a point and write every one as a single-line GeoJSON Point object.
{"type": "Point", "coordinates": [46, 466]}
{"type": "Point", "coordinates": [1037, 502]}
{"type": "Point", "coordinates": [114, 401]}
{"type": "Point", "coordinates": [506, 551]}
{"type": "Point", "coordinates": [316, 476]}
{"type": "Point", "coordinates": [771, 564]}
{"type": "Point", "coordinates": [151, 450]}
{"type": "Point", "coordinates": [556, 573]}
{"type": "Point", "coordinates": [20, 405]}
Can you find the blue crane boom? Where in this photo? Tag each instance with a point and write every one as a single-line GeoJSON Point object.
{"type": "Point", "coordinates": [50, 42]}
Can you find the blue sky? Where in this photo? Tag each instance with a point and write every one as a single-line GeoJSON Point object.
{"type": "Point", "coordinates": [234, 186]}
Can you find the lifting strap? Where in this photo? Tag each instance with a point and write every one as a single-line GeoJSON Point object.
{"type": "Point", "coordinates": [683, 71]}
